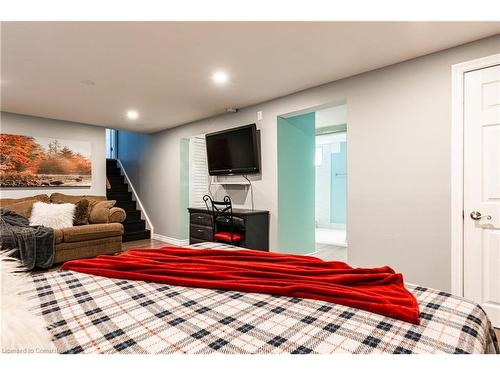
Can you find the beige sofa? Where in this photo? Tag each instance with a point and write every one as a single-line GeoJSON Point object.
{"type": "Point", "coordinates": [81, 241]}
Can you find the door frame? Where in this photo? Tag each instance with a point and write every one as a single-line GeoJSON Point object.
{"type": "Point", "coordinates": [457, 165]}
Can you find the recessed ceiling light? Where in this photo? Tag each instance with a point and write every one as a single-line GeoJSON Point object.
{"type": "Point", "coordinates": [132, 115]}
{"type": "Point", "coordinates": [220, 77]}
{"type": "Point", "coordinates": [87, 82]}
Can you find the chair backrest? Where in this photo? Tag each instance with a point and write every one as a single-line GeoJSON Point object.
{"type": "Point", "coordinates": [220, 208]}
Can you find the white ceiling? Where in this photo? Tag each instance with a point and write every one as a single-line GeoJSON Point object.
{"type": "Point", "coordinates": [163, 69]}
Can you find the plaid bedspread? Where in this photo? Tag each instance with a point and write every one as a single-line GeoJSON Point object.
{"type": "Point", "coordinates": [91, 314]}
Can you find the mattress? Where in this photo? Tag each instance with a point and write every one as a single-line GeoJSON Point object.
{"type": "Point", "coordinates": [92, 314]}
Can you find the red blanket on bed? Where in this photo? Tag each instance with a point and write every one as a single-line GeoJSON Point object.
{"type": "Point", "coordinates": [378, 290]}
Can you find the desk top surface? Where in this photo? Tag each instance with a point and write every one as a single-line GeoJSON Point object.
{"type": "Point", "coordinates": [236, 211]}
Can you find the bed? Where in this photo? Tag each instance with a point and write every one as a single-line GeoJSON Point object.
{"type": "Point", "coordinates": [92, 314]}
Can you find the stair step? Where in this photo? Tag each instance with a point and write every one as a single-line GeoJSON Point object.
{"type": "Point", "coordinates": [119, 195]}
{"type": "Point", "coordinates": [118, 188]}
{"type": "Point", "coordinates": [132, 216]}
{"type": "Point", "coordinates": [135, 236]}
{"type": "Point", "coordinates": [134, 226]}
{"type": "Point", "coordinates": [126, 205]}
{"type": "Point", "coordinates": [111, 174]}
{"type": "Point", "coordinates": [117, 185]}
{"type": "Point", "coordinates": [115, 177]}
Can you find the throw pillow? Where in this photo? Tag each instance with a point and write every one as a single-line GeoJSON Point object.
{"type": "Point", "coordinates": [81, 212]}
{"type": "Point", "coordinates": [52, 215]}
{"type": "Point", "coordinates": [22, 208]}
{"type": "Point", "coordinates": [99, 212]}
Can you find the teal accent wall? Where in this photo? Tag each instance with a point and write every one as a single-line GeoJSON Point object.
{"type": "Point", "coordinates": [338, 191]}
{"type": "Point", "coordinates": [184, 187]}
{"type": "Point", "coordinates": [296, 184]}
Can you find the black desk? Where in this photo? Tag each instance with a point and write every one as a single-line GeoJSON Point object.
{"type": "Point", "coordinates": [256, 227]}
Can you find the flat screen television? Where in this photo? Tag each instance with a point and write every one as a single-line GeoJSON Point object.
{"type": "Point", "coordinates": [233, 151]}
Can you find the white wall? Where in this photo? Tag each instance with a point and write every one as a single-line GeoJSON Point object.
{"type": "Point", "coordinates": [134, 151]}
{"type": "Point", "coordinates": [399, 137]}
{"type": "Point", "coordinates": [36, 126]}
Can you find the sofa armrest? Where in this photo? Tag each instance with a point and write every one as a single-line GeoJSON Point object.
{"type": "Point", "coordinates": [117, 215]}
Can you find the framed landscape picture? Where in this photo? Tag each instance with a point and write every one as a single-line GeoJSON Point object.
{"type": "Point", "coordinates": [27, 161]}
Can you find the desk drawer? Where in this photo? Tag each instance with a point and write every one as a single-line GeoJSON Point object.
{"type": "Point", "coordinates": [201, 219]}
{"type": "Point", "coordinates": [201, 232]}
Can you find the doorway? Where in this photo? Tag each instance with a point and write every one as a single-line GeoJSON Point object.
{"type": "Point", "coordinates": [312, 183]}
{"type": "Point", "coordinates": [331, 181]}
{"type": "Point", "coordinates": [111, 143]}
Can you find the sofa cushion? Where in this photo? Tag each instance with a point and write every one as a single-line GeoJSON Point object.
{"type": "Point", "coordinates": [117, 215]}
{"type": "Point", "coordinates": [92, 232]}
{"type": "Point", "coordinates": [38, 198]}
{"type": "Point", "coordinates": [99, 211]}
{"type": "Point", "coordinates": [65, 198]}
{"type": "Point", "coordinates": [58, 236]}
{"type": "Point", "coordinates": [22, 208]}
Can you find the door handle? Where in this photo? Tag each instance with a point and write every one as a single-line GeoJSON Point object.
{"type": "Point", "coordinates": [476, 215]}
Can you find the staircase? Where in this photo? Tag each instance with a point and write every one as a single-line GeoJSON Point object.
{"type": "Point", "coordinates": [134, 226]}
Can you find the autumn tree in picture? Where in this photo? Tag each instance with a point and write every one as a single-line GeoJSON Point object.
{"type": "Point", "coordinates": [37, 161]}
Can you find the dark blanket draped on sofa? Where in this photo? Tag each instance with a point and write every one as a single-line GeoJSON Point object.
{"type": "Point", "coordinates": [378, 290]}
{"type": "Point", "coordinates": [33, 245]}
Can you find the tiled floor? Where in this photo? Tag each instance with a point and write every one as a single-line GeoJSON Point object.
{"type": "Point", "coordinates": [331, 236]}
{"type": "Point", "coordinates": [331, 252]}
{"type": "Point", "coordinates": [331, 244]}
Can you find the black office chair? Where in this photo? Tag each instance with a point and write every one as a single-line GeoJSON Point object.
{"type": "Point", "coordinates": [223, 221]}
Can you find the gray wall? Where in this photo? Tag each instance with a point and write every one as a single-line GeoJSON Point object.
{"type": "Point", "coordinates": [399, 135]}
{"type": "Point", "coordinates": [36, 126]}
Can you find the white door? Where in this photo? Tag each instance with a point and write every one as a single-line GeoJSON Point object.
{"type": "Point", "coordinates": [482, 189]}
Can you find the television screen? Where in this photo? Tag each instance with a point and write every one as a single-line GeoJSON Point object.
{"type": "Point", "coordinates": [233, 151]}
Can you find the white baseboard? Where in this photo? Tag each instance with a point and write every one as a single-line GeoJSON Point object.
{"type": "Point", "coordinates": [170, 240]}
